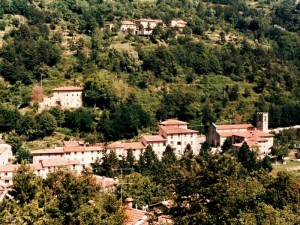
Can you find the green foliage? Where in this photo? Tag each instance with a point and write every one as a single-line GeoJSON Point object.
{"type": "Point", "coordinates": [80, 120]}
{"type": "Point", "coordinates": [169, 156]}
{"type": "Point", "coordinates": [142, 190]}
{"type": "Point", "coordinates": [124, 122]}
{"type": "Point", "coordinates": [23, 155]}
{"type": "Point", "coordinates": [108, 166]}
{"type": "Point", "coordinates": [247, 158]}
{"type": "Point", "coordinates": [62, 198]}
{"type": "Point", "coordinates": [227, 145]}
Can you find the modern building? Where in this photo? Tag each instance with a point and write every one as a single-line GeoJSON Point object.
{"type": "Point", "coordinates": [257, 138]}
{"type": "Point", "coordinates": [65, 97]}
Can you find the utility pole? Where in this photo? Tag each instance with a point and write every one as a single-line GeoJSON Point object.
{"type": "Point", "coordinates": [122, 183]}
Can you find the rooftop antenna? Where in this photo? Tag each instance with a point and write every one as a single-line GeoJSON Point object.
{"type": "Point", "coordinates": [122, 183]}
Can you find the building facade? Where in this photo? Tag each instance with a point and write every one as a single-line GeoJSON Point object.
{"type": "Point", "coordinates": [5, 153]}
{"type": "Point", "coordinates": [257, 138]}
{"type": "Point", "coordinates": [64, 97]}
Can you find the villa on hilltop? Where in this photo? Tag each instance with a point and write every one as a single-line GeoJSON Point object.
{"type": "Point", "coordinates": [145, 27]}
{"type": "Point", "coordinates": [65, 97]}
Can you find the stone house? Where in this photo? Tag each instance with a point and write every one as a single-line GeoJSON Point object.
{"type": "Point", "coordinates": [64, 97]}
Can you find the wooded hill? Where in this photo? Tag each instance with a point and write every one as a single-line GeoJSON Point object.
{"type": "Point", "coordinates": [234, 58]}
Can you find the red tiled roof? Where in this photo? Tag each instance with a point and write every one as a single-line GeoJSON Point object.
{"type": "Point", "coordinates": [70, 143]}
{"type": "Point", "coordinates": [36, 166]}
{"type": "Point", "coordinates": [234, 126]}
{"type": "Point", "coordinates": [94, 148]}
{"type": "Point", "coordinates": [59, 162]}
{"type": "Point", "coordinates": [177, 130]}
{"type": "Point", "coordinates": [133, 215]}
{"type": "Point", "coordinates": [8, 168]}
{"type": "Point", "coordinates": [133, 145]}
{"type": "Point", "coordinates": [170, 122]}
{"type": "Point", "coordinates": [154, 138]}
{"type": "Point", "coordinates": [69, 88]}
{"type": "Point", "coordinates": [115, 145]}
{"type": "Point", "coordinates": [74, 149]}
{"type": "Point", "coordinates": [48, 151]}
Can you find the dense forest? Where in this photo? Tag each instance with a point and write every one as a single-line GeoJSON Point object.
{"type": "Point", "coordinates": [234, 58]}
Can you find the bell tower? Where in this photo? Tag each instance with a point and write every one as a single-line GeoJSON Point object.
{"type": "Point", "coordinates": [262, 121]}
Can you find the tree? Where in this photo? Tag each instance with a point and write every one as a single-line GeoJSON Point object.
{"type": "Point", "coordinates": [37, 93]}
{"type": "Point", "coordinates": [142, 189]}
{"type": "Point", "coordinates": [266, 163]}
{"type": "Point", "coordinates": [23, 155]}
{"type": "Point", "coordinates": [247, 157]}
{"type": "Point", "coordinates": [108, 166]}
{"type": "Point", "coordinates": [169, 156]}
{"type": "Point", "coordinates": [99, 91]}
{"type": "Point", "coordinates": [47, 123]}
{"type": "Point", "coordinates": [80, 120]}
{"type": "Point", "coordinates": [26, 184]}
{"type": "Point", "coordinates": [227, 145]}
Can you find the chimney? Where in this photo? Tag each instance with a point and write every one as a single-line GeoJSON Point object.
{"type": "Point", "coordinates": [128, 202]}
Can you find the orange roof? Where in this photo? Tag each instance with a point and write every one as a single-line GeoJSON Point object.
{"type": "Point", "coordinates": [133, 215]}
{"type": "Point", "coordinates": [115, 145]}
{"type": "Point", "coordinates": [8, 168]}
{"type": "Point", "coordinates": [70, 143]}
{"type": "Point", "coordinates": [36, 166]}
{"type": "Point", "coordinates": [74, 149]}
{"type": "Point", "coordinates": [177, 130]}
{"type": "Point", "coordinates": [69, 88]}
{"type": "Point", "coordinates": [48, 151]}
{"type": "Point", "coordinates": [154, 138]}
{"type": "Point", "coordinates": [94, 148]}
{"type": "Point", "coordinates": [59, 162]}
{"type": "Point", "coordinates": [234, 126]}
{"type": "Point", "coordinates": [105, 182]}
{"type": "Point", "coordinates": [170, 122]}
{"type": "Point", "coordinates": [133, 145]}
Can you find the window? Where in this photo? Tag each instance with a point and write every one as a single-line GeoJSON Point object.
{"type": "Point", "coordinates": [164, 143]}
{"type": "Point", "coordinates": [5, 173]}
{"type": "Point", "coordinates": [82, 153]}
{"type": "Point", "coordinates": [73, 166]}
{"type": "Point", "coordinates": [92, 158]}
{"type": "Point", "coordinates": [6, 181]}
{"type": "Point", "coordinates": [172, 142]}
{"type": "Point", "coordinates": [178, 143]}
{"type": "Point", "coordinates": [75, 153]}
{"type": "Point", "coordinates": [191, 135]}
{"type": "Point", "coordinates": [66, 94]}
{"type": "Point", "coordinates": [184, 135]}
{"type": "Point", "coordinates": [171, 135]}
{"type": "Point", "coordinates": [82, 159]}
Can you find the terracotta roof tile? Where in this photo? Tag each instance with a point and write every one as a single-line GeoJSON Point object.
{"type": "Point", "coordinates": [59, 162]}
{"type": "Point", "coordinates": [154, 138]}
{"type": "Point", "coordinates": [170, 122]}
{"type": "Point", "coordinates": [234, 126]}
{"type": "Point", "coordinates": [8, 168]}
{"type": "Point", "coordinates": [74, 149]}
{"type": "Point", "coordinates": [127, 22]}
{"type": "Point", "coordinates": [177, 130]}
{"type": "Point", "coordinates": [69, 88]}
{"type": "Point", "coordinates": [115, 145]}
{"type": "Point", "coordinates": [48, 151]}
{"type": "Point", "coordinates": [133, 215]}
{"type": "Point", "coordinates": [133, 145]}
{"type": "Point", "coordinates": [71, 143]}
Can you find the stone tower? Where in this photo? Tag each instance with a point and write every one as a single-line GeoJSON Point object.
{"type": "Point", "coordinates": [262, 121]}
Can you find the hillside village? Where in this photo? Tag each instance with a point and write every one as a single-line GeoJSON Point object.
{"type": "Point", "coordinates": [141, 112]}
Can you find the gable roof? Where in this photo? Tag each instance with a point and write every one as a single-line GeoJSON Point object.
{"type": "Point", "coordinates": [133, 216]}
{"type": "Point", "coordinates": [133, 145]}
{"type": "Point", "coordinates": [68, 88]}
{"type": "Point", "coordinates": [170, 122]}
{"type": "Point", "coordinates": [126, 22]}
{"type": "Point", "coordinates": [8, 168]}
{"type": "Point", "coordinates": [154, 138]}
{"type": "Point", "coordinates": [58, 150]}
{"type": "Point", "coordinates": [59, 162]}
{"type": "Point", "coordinates": [177, 130]}
{"type": "Point", "coordinates": [234, 126]}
